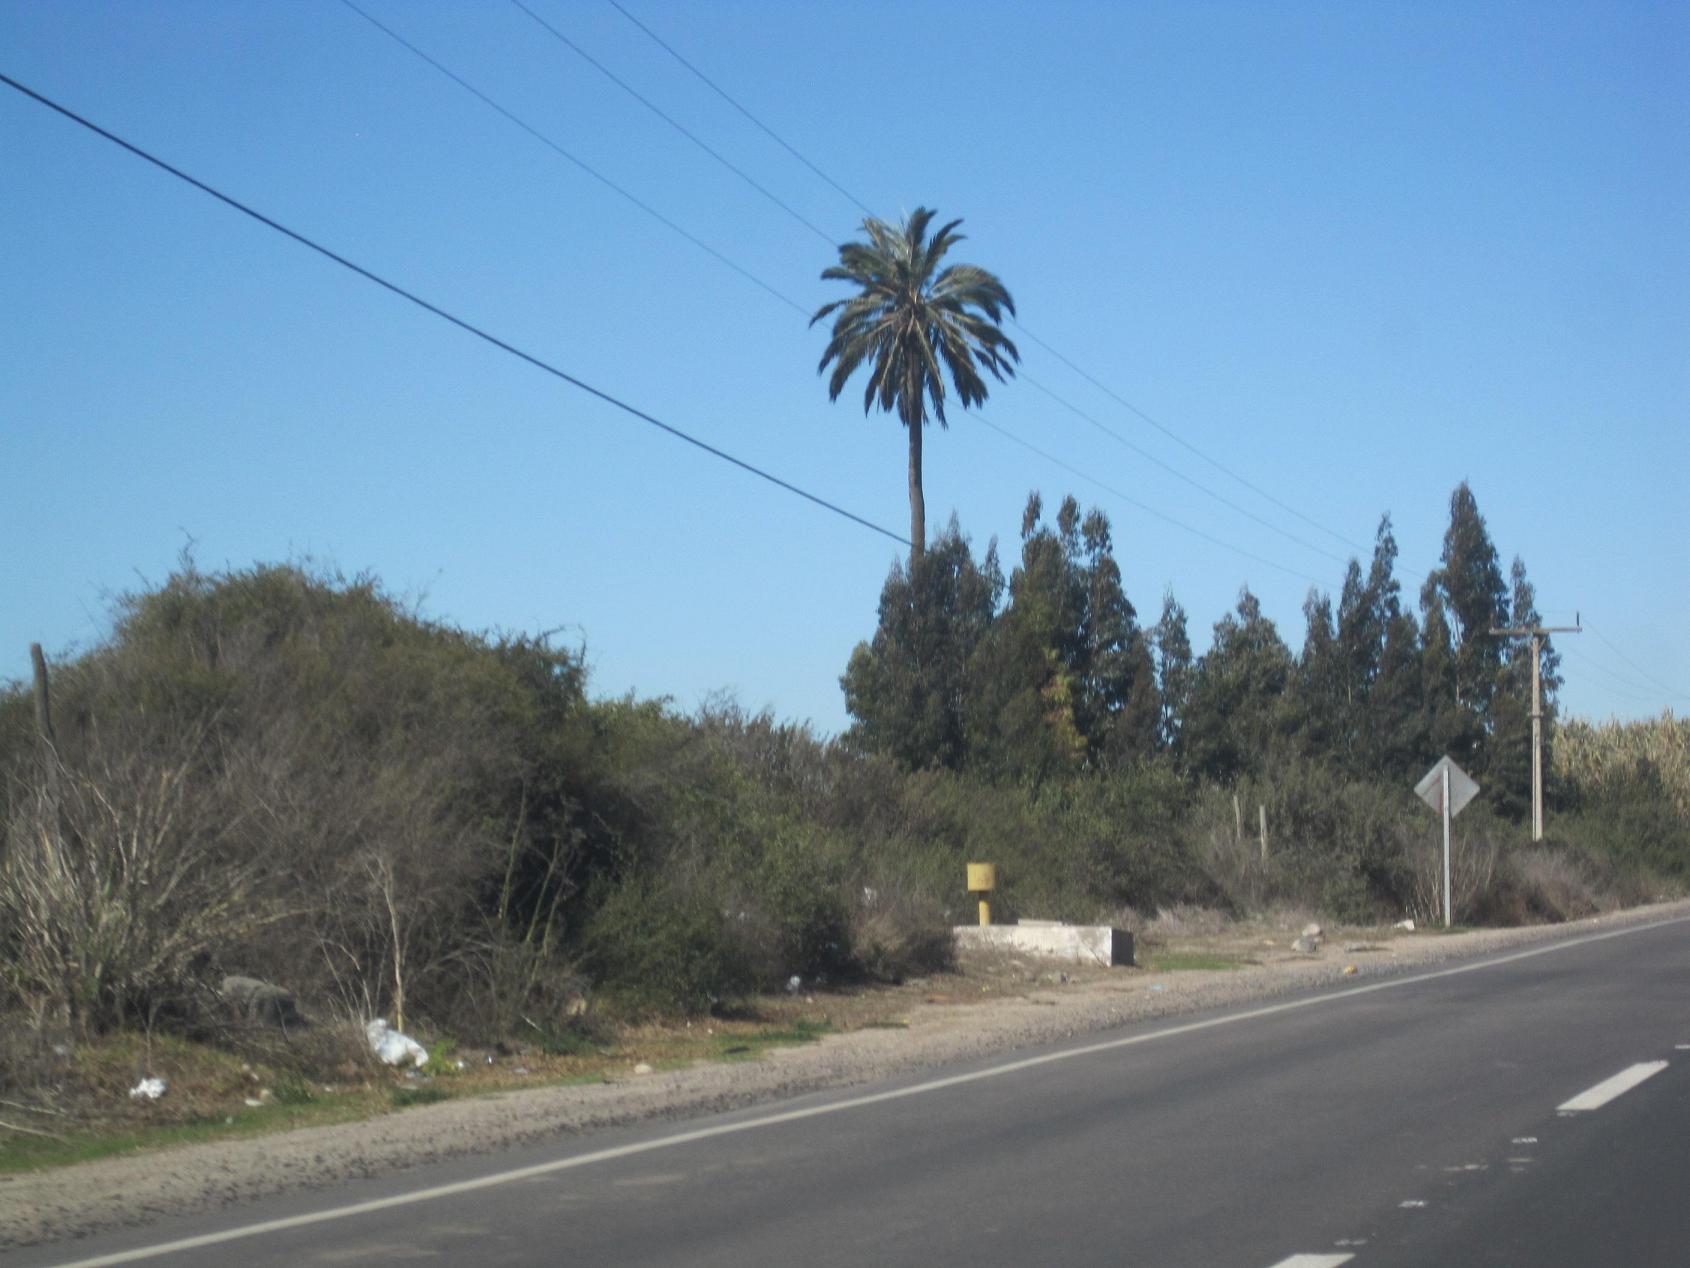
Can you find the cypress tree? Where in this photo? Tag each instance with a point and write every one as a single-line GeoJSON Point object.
{"type": "Point", "coordinates": [1174, 671]}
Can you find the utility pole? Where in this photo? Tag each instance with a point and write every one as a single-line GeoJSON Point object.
{"type": "Point", "coordinates": [1537, 633]}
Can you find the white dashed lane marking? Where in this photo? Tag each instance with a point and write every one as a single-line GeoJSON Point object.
{"type": "Point", "coordinates": [1608, 1089]}
{"type": "Point", "coordinates": [1314, 1261]}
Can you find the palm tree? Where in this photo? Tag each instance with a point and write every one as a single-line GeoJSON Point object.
{"type": "Point", "coordinates": [907, 319]}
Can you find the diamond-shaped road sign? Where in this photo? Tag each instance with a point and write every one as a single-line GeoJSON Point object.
{"type": "Point", "coordinates": [1462, 789]}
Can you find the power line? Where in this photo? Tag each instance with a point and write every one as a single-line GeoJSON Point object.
{"type": "Point", "coordinates": [1127, 497]}
{"type": "Point", "coordinates": [1626, 688]}
{"type": "Point", "coordinates": [1175, 471]}
{"type": "Point", "coordinates": [1090, 378]}
{"type": "Point", "coordinates": [652, 106]}
{"type": "Point", "coordinates": [547, 141]}
{"type": "Point", "coordinates": [1629, 681]}
{"type": "Point", "coordinates": [552, 145]}
{"type": "Point", "coordinates": [1672, 691]}
{"type": "Point", "coordinates": [758, 123]}
{"type": "Point", "coordinates": [459, 322]}
{"type": "Point", "coordinates": [826, 237]}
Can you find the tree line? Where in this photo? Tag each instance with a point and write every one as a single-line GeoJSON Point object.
{"type": "Point", "coordinates": [1052, 672]}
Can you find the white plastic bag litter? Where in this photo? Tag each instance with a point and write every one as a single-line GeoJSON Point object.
{"type": "Point", "coordinates": [393, 1048]}
{"type": "Point", "coordinates": [148, 1090]}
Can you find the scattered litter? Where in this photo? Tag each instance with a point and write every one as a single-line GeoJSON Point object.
{"type": "Point", "coordinates": [1157, 986]}
{"type": "Point", "coordinates": [393, 1048]}
{"type": "Point", "coordinates": [1407, 926]}
{"type": "Point", "coordinates": [1349, 970]}
{"type": "Point", "coordinates": [643, 1067]}
{"type": "Point", "coordinates": [521, 1069]}
{"type": "Point", "coordinates": [794, 984]}
{"type": "Point", "coordinates": [1312, 930]}
{"type": "Point", "coordinates": [458, 1064]}
{"type": "Point", "coordinates": [252, 1102]}
{"type": "Point", "coordinates": [149, 1089]}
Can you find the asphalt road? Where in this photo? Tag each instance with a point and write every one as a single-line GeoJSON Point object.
{"type": "Point", "coordinates": [1409, 1121]}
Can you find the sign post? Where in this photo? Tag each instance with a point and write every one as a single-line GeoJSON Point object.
{"type": "Point", "coordinates": [1447, 789]}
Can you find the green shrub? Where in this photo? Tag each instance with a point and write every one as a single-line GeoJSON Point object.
{"type": "Point", "coordinates": [657, 947]}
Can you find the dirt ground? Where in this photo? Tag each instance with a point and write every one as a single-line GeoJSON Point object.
{"type": "Point", "coordinates": [1186, 962]}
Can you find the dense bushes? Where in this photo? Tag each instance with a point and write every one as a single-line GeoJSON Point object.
{"type": "Point", "coordinates": [288, 774]}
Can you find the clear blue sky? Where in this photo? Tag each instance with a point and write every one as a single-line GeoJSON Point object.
{"type": "Point", "coordinates": [1356, 253]}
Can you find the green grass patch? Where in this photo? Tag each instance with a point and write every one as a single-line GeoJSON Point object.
{"type": "Point", "coordinates": [406, 1097]}
{"type": "Point", "coordinates": [1193, 962]}
{"type": "Point", "coordinates": [753, 1044]}
{"type": "Point", "coordinates": [34, 1153]}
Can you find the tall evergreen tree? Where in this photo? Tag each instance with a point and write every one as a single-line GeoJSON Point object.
{"type": "Point", "coordinates": [1066, 678]}
{"type": "Point", "coordinates": [1120, 708]}
{"type": "Point", "coordinates": [1397, 741]}
{"type": "Point", "coordinates": [1024, 716]}
{"type": "Point", "coordinates": [1322, 703]}
{"type": "Point", "coordinates": [1448, 727]}
{"type": "Point", "coordinates": [908, 688]}
{"type": "Point", "coordinates": [1476, 600]}
{"type": "Point", "coordinates": [1237, 717]}
{"type": "Point", "coordinates": [1174, 671]}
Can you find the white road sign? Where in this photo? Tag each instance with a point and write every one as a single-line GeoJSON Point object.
{"type": "Point", "coordinates": [1462, 789]}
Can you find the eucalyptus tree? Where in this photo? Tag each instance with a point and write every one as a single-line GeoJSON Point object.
{"type": "Point", "coordinates": [913, 323]}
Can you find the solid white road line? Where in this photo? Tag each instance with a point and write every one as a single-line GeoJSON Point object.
{"type": "Point", "coordinates": [815, 1111]}
{"type": "Point", "coordinates": [1314, 1261]}
{"type": "Point", "coordinates": [1608, 1089]}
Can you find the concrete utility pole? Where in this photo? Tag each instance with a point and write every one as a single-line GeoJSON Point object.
{"type": "Point", "coordinates": [1537, 633]}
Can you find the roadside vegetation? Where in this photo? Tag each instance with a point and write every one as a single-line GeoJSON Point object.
{"type": "Point", "coordinates": [286, 775]}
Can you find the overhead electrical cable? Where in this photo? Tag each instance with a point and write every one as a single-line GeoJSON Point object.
{"type": "Point", "coordinates": [552, 145]}
{"type": "Point", "coordinates": [470, 328]}
{"type": "Point", "coordinates": [1180, 440]}
{"type": "Point", "coordinates": [1175, 471]}
{"type": "Point", "coordinates": [540, 136]}
{"type": "Point", "coordinates": [1615, 684]}
{"type": "Point", "coordinates": [1672, 691]}
{"type": "Point", "coordinates": [674, 123]}
{"type": "Point", "coordinates": [1128, 498]}
{"type": "Point", "coordinates": [758, 123]}
{"type": "Point", "coordinates": [826, 237]}
{"type": "Point", "coordinates": [1629, 681]}
{"type": "Point", "coordinates": [1090, 378]}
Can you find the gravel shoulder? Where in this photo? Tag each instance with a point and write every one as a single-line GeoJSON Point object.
{"type": "Point", "coordinates": [987, 1008]}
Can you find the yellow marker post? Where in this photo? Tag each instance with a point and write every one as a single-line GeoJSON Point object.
{"type": "Point", "coordinates": [982, 880]}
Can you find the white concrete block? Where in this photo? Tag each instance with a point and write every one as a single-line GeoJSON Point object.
{"type": "Point", "coordinates": [1080, 944]}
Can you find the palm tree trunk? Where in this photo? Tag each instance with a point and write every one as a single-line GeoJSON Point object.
{"type": "Point", "coordinates": [918, 504]}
